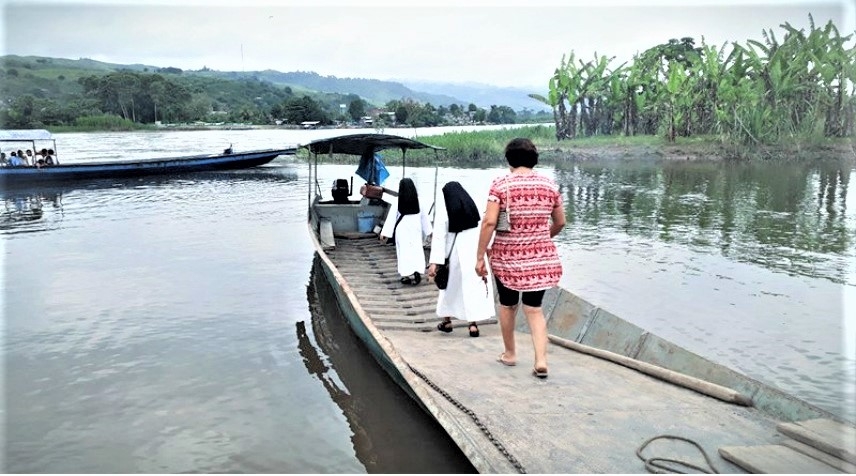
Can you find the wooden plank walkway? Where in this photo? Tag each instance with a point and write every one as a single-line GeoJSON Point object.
{"type": "Point", "coordinates": [589, 416]}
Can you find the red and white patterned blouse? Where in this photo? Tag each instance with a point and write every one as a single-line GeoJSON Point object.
{"type": "Point", "coordinates": [525, 258]}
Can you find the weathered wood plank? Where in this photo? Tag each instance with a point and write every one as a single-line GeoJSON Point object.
{"type": "Point", "coordinates": [774, 459]}
{"type": "Point", "coordinates": [826, 435]}
{"type": "Point", "coordinates": [815, 453]}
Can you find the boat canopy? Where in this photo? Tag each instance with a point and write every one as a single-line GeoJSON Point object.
{"type": "Point", "coordinates": [364, 144]}
{"type": "Point", "coordinates": [24, 135]}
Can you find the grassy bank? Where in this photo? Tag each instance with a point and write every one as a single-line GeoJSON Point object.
{"type": "Point", "coordinates": [485, 148]}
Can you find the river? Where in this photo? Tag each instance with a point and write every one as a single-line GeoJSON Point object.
{"type": "Point", "coordinates": [170, 324]}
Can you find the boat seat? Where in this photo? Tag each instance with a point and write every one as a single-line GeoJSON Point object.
{"type": "Point", "coordinates": [325, 232]}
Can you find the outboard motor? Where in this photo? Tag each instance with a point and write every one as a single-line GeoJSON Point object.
{"type": "Point", "coordinates": [341, 191]}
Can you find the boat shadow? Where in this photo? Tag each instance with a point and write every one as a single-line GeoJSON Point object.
{"type": "Point", "coordinates": [391, 432]}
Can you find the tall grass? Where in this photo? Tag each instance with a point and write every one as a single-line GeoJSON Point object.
{"type": "Point", "coordinates": [99, 123]}
{"type": "Point", "coordinates": [477, 147]}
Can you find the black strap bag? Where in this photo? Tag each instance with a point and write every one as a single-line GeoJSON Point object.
{"type": "Point", "coordinates": [441, 278]}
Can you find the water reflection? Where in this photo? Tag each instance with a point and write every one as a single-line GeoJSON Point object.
{"type": "Point", "coordinates": [378, 412]}
{"type": "Point", "coordinates": [23, 211]}
{"type": "Point", "coordinates": [33, 208]}
{"type": "Point", "coordinates": [789, 217]}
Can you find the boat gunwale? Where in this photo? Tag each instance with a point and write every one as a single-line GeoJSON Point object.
{"type": "Point", "coordinates": [415, 386]}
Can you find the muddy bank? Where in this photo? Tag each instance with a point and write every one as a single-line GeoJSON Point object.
{"type": "Point", "coordinates": [567, 150]}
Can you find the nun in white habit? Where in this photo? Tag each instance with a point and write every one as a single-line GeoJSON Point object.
{"type": "Point", "coordinates": [456, 234]}
{"type": "Point", "coordinates": [410, 227]}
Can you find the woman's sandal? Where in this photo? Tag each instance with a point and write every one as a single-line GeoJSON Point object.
{"type": "Point", "coordinates": [502, 360]}
{"type": "Point", "coordinates": [474, 333]}
{"type": "Point", "coordinates": [540, 373]}
{"type": "Point", "coordinates": [413, 279]}
{"type": "Point", "coordinates": [445, 326]}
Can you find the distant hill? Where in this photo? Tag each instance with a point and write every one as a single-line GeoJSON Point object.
{"type": "Point", "coordinates": [372, 90]}
{"type": "Point", "coordinates": [484, 95]}
{"type": "Point", "coordinates": [375, 91]}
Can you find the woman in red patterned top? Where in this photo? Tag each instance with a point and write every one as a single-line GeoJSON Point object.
{"type": "Point", "coordinates": [523, 259]}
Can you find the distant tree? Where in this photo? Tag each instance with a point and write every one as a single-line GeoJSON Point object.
{"type": "Point", "coordinates": [501, 115]}
{"type": "Point", "coordinates": [401, 114]}
{"type": "Point", "coordinates": [357, 109]}
{"type": "Point", "coordinates": [297, 110]}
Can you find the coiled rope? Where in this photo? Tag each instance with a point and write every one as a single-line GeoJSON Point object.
{"type": "Point", "coordinates": [656, 466]}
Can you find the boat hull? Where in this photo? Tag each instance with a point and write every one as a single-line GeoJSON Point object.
{"type": "Point", "coordinates": [595, 403]}
{"type": "Point", "coordinates": [10, 176]}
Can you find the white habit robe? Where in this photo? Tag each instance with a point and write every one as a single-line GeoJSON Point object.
{"type": "Point", "coordinates": [465, 297]}
{"type": "Point", "coordinates": [410, 235]}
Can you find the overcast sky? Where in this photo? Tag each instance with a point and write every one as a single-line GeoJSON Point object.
{"type": "Point", "coordinates": [503, 43]}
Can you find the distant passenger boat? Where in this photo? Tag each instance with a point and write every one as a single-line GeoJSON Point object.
{"type": "Point", "coordinates": [11, 175]}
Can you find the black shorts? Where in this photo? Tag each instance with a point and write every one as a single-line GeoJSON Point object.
{"type": "Point", "coordinates": [510, 297]}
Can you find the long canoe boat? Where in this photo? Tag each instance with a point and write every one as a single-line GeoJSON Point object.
{"type": "Point", "coordinates": [10, 140]}
{"type": "Point", "coordinates": [619, 399]}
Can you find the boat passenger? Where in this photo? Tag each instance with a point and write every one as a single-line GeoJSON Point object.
{"type": "Point", "coordinates": [524, 258]}
{"type": "Point", "coordinates": [49, 160]}
{"type": "Point", "coordinates": [22, 157]}
{"type": "Point", "coordinates": [408, 230]}
{"type": "Point", "coordinates": [456, 238]}
{"type": "Point", "coordinates": [3, 161]}
{"type": "Point", "coordinates": [16, 161]}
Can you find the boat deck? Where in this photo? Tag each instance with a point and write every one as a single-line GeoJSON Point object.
{"type": "Point", "coordinates": [589, 416]}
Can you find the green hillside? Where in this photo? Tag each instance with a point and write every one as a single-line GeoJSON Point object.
{"type": "Point", "coordinates": [49, 92]}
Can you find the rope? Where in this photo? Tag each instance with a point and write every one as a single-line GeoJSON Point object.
{"type": "Point", "coordinates": [654, 465]}
{"type": "Point", "coordinates": [481, 426]}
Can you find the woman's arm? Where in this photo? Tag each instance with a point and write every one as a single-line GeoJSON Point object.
{"type": "Point", "coordinates": [558, 220]}
{"type": "Point", "coordinates": [488, 226]}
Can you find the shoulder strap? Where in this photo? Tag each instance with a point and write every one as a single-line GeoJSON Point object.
{"type": "Point", "coordinates": [453, 245]}
{"type": "Point", "coordinates": [394, 227]}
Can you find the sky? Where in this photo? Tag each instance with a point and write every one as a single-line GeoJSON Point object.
{"type": "Point", "coordinates": [496, 42]}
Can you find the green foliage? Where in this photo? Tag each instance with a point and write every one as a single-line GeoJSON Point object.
{"type": "Point", "coordinates": [478, 147]}
{"type": "Point", "coordinates": [297, 110]}
{"type": "Point", "coordinates": [357, 109]}
{"type": "Point", "coordinates": [797, 89]}
{"type": "Point", "coordinates": [104, 122]}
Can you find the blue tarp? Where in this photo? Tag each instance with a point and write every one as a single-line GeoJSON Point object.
{"type": "Point", "coordinates": [372, 169]}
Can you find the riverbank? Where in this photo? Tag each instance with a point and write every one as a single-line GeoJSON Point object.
{"type": "Point", "coordinates": [485, 147]}
{"type": "Point", "coordinates": [620, 148]}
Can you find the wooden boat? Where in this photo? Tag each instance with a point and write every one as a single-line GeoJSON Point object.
{"type": "Point", "coordinates": [618, 399]}
{"type": "Point", "coordinates": [61, 171]}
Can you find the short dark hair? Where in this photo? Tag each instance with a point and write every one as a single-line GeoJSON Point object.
{"type": "Point", "coordinates": [521, 152]}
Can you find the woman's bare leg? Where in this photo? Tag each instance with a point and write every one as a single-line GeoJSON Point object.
{"type": "Point", "coordinates": [538, 328]}
{"type": "Point", "coordinates": [507, 316]}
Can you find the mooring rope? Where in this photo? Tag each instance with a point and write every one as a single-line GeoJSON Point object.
{"type": "Point", "coordinates": [654, 465]}
{"type": "Point", "coordinates": [481, 426]}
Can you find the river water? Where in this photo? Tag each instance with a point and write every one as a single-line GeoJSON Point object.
{"type": "Point", "coordinates": [171, 324]}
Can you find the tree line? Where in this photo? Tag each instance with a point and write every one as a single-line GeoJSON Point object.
{"type": "Point", "coordinates": [135, 98]}
{"type": "Point", "coordinates": [799, 88]}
